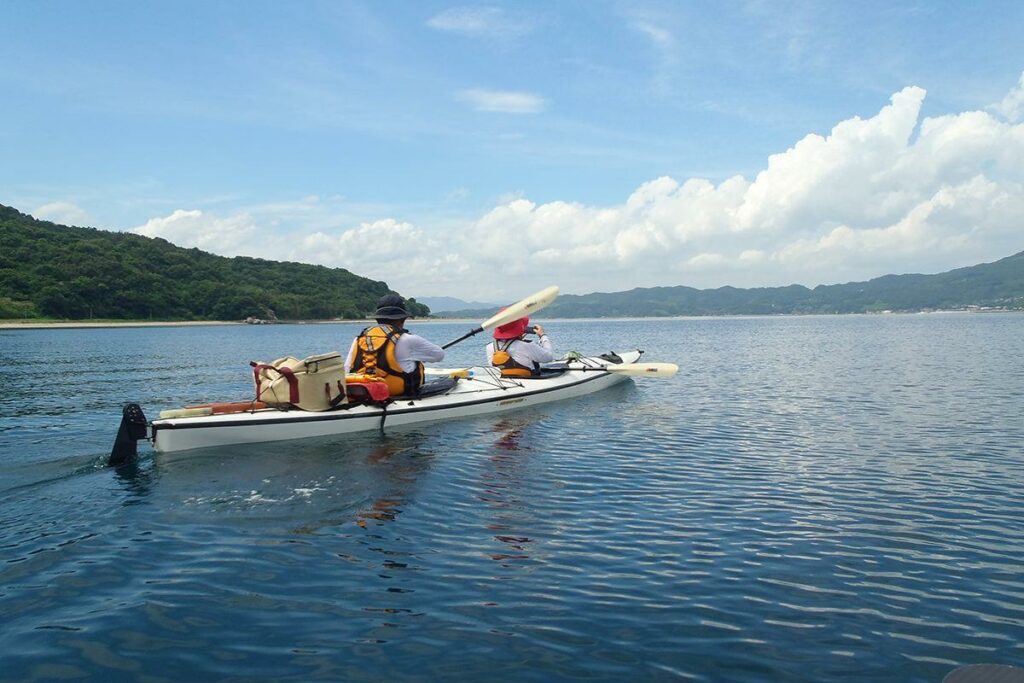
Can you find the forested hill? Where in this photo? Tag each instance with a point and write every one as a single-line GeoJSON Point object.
{"type": "Point", "coordinates": [999, 284]}
{"type": "Point", "coordinates": [994, 285]}
{"type": "Point", "coordinates": [55, 271]}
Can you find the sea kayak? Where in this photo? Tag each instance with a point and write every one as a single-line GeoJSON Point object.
{"type": "Point", "coordinates": [464, 392]}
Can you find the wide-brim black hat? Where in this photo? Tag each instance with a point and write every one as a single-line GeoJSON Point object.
{"type": "Point", "coordinates": [391, 307]}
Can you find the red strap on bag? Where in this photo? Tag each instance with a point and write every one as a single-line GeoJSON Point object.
{"type": "Point", "coordinates": [287, 373]}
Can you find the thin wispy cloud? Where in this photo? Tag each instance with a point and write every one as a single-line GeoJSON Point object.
{"type": "Point", "coordinates": [503, 101]}
{"type": "Point", "coordinates": [660, 36]}
{"type": "Point", "coordinates": [480, 21]}
{"type": "Point", "coordinates": [657, 32]}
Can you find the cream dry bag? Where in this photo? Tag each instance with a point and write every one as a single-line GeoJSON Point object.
{"type": "Point", "coordinates": [315, 383]}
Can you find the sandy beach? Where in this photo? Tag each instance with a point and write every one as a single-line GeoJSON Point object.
{"type": "Point", "coordinates": [88, 323]}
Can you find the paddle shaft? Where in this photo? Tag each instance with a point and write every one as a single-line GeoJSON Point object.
{"type": "Point", "coordinates": [530, 304]}
{"type": "Point", "coordinates": [465, 336]}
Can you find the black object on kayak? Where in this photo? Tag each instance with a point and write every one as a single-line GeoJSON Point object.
{"type": "Point", "coordinates": [132, 429]}
{"type": "Point", "coordinates": [434, 387]}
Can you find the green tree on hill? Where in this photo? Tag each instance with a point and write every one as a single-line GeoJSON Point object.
{"type": "Point", "coordinates": [55, 271]}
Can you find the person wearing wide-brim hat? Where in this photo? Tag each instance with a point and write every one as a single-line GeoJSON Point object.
{"type": "Point", "coordinates": [390, 352]}
{"type": "Point", "coordinates": [516, 355]}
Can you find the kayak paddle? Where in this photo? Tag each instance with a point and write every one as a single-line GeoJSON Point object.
{"type": "Point", "coordinates": [629, 369]}
{"type": "Point", "coordinates": [530, 304]}
{"type": "Point", "coordinates": [634, 369]}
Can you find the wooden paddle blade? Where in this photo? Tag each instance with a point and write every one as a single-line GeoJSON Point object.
{"type": "Point", "coordinates": [530, 304]}
{"type": "Point", "coordinates": [185, 412]}
{"type": "Point", "coordinates": [644, 369]}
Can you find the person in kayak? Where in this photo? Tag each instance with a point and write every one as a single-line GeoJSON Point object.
{"type": "Point", "coordinates": [514, 354]}
{"type": "Point", "coordinates": [389, 351]}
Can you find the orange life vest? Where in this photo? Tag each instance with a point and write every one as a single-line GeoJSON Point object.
{"type": "Point", "coordinates": [501, 358]}
{"type": "Point", "coordinates": [374, 355]}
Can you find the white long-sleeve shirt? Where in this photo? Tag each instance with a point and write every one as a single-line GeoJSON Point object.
{"type": "Point", "coordinates": [408, 349]}
{"type": "Point", "coordinates": [527, 352]}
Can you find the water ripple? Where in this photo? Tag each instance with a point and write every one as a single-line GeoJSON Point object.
{"type": "Point", "coordinates": [811, 499]}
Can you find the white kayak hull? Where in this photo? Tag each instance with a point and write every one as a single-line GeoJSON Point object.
{"type": "Point", "coordinates": [480, 394]}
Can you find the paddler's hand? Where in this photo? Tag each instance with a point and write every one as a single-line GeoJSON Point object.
{"type": "Point", "coordinates": [538, 330]}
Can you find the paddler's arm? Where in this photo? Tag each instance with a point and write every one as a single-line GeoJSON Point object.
{"type": "Point", "coordinates": [542, 350]}
{"type": "Point", "coordinates": [414, 347]}
{"type": "Point", "coordinates": [349, 357]}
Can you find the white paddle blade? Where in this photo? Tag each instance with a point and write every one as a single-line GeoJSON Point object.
{"type": "Point", "coordinates": [530, 304]}
{"type": "Point", "coordinates": [644, 369]}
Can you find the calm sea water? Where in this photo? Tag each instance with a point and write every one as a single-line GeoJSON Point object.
{"type": "Point", "coordinates": [810, 499]}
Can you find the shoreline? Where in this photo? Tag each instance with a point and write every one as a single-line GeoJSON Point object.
{"type": "Point", "coordinates": [71, 324]}
{"type": "Point", "coordinates": [85, 324]}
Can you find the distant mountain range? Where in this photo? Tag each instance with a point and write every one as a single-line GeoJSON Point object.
{"type": "Point", "coordinates": [998, 285]}
{"type": "Point", "coordinates": [441, 304]}
{"type": "Point", "coordinates": [54, 271]}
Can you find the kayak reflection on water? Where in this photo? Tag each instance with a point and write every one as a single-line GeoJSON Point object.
{"type": "Point", "coordinates": [402, 463]}
{"type": "Point", "coordinates": [503, 484]}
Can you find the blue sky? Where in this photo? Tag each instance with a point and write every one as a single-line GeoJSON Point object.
{"type": "Point", "coordinates": [477, 150]}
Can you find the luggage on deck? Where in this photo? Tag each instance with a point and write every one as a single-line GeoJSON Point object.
{"type": "Point", "coordinates": [315, 383]}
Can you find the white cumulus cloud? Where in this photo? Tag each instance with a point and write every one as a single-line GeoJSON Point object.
{"type": "Point", "coordinates": [194, 228]}
{"type": "Point", "coordinates": [889, 193]}
{"type": "Point", "coordinates": [397, 252]}
{"type": "Point", "coordinates": [65, 213]}
{"type": "Point", "coordinates": [1012, 106]}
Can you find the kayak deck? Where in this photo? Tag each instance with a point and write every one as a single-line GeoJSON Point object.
{"type": "Point", "coordinates": [478, 391]}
